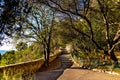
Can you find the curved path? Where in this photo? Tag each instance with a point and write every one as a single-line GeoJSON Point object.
{"type": "Point", "coordinates": [64, 69]}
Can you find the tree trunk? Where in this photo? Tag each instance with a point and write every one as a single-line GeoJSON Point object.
{"type": "Point", "coordinates": [48, 55]}
{"type": "Point", "coordinates": [113, 57]}
{"type": "Point", "coordinates": [45, 58]}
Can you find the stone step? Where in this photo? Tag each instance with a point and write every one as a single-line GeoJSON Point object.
{"type": "Point", "coordinates": [67, 61]}
{"type": "Point", "coordinates": [66, 65]}
{"type": "Point", "coordinates": [66, 58]}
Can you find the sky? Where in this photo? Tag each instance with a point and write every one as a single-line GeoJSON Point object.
{"type": "Point", "coordinates": [7, 44]}
{"type": "Point", "coordinates": [7, 47]}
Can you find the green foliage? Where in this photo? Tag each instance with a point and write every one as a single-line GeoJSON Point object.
{"type": "Point", "coordinates": [34, 51]}
{"type": "Point", "coordinates": [8, 58]}
{"type": "Point", "coordinates": [21, 45]}
{"type": "Point", "coordinates": [63, 34]}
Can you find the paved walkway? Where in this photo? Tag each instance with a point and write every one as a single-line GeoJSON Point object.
{"type": "Point", "coordinates": [64, 69]}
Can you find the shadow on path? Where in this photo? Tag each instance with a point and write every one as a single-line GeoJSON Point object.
{"type": "Point", "coordinates": [55, 69]}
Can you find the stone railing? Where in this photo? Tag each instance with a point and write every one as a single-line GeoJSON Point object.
{"type": "Point", "coordinates": [26, 67]}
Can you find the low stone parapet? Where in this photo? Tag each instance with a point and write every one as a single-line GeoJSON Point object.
{"type": "Point", "coordinates": [25, 67]}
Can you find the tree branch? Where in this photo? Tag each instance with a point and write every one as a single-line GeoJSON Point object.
{"type": "Point", "coordinates": [104, 13]}
{"type": "Point", "coordinates": [68, 12]}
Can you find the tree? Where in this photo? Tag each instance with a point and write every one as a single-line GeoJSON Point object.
{"type": "Point", "coordinates": [64, 34]}
{"type": "Point", "coordinates": [112, 37]}
{"type": "Point", "coordinates": [11, 15]}
{"type": "Point", "coordinates": [84, 9]}
{"type": "Point", "coordinates": [38, 27]}
{"type": "Point", "coordinates": [21, 46]}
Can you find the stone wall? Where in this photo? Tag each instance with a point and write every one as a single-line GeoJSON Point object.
{"type": "Point", "coordinates": [26, 67]}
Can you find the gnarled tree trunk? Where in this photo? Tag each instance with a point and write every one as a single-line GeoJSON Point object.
{"type": "Point", "coordinates": [114, 58]}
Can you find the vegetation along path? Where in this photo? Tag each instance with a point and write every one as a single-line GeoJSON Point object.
{"type": "Point", "coordinates": [64, 69]}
